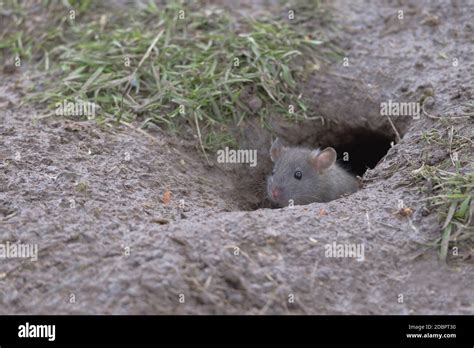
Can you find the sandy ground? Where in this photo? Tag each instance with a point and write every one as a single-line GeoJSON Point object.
{"type": "Point", "coordinates": [110, 242]}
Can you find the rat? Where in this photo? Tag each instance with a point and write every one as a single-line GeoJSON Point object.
{"type": "Point", "coordinates": [306, 176]}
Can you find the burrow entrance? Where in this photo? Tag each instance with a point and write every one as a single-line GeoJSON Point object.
{"type": "Point", "coordinates": [342, 114]}
{"type": "Point", "coordinates": [358, 150]}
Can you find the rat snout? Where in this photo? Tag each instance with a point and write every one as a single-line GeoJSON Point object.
{"type": "Point", "coordinates": [276, 192]}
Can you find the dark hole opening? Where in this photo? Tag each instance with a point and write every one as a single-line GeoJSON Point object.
{"type": "Point", "coordinates": [362, 149]}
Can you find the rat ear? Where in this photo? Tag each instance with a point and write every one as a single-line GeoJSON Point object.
{"type": "Point", "coordinates": [322, 160]}
{"type": "Point", "coordinates": [276, 149]}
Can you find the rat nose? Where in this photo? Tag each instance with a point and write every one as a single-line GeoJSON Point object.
{"type": "Point", "coordinates": [276, 192]}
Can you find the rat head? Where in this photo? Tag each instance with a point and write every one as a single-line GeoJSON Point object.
{"type": "Point", "coordinates": [297, 174]}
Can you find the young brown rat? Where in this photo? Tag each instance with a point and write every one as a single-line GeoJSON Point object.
{"type": "Point", "coordinates": [306, 176]}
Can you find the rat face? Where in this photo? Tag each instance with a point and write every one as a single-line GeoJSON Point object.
{"type": "Point", "coordinates": [296, 174]}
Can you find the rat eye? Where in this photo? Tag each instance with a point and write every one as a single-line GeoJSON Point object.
{"type": "Point", "coordinates": [298, 175]}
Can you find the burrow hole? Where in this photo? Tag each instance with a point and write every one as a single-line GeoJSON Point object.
{"type": "Point", "coordinates": [358, 150]}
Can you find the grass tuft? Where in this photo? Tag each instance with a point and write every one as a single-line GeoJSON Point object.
{"type": "Point", "coordinates": [451, 189]}
{"type": "Point", "coordinates": [170, 65]}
